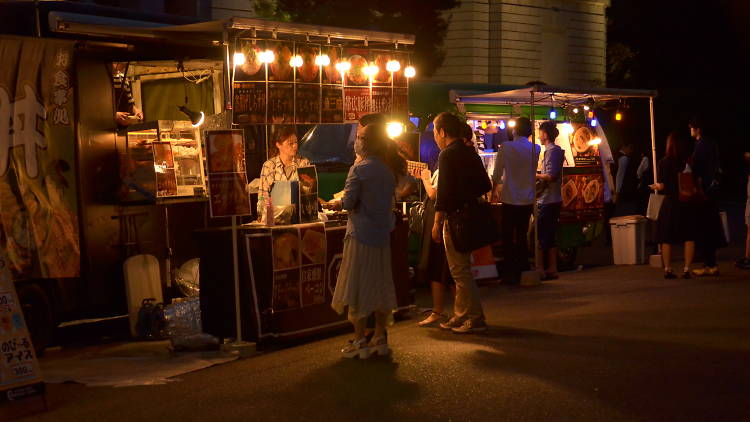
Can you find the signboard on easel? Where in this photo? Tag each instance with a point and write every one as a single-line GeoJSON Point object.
{"type": "Point", "coordinates": [20, 376]}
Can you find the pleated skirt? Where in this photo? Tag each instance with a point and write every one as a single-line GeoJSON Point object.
{"type": "Point", "coordinates": [365, 281]}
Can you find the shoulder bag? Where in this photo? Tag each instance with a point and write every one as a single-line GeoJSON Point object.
{"type": "Point", "coordinates": [690, 187]}
{"type": "Point", "coordinates": [472, 226]}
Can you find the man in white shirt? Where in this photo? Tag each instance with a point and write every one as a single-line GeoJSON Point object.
{"type": "Point", "coordinates": [513, 184]}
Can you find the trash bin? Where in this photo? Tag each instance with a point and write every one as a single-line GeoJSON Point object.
{"type": "Point", "coordinates": [628, 239]}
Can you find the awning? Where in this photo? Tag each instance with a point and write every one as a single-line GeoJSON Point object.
{"type": "Point", "coordinates": [545, 95]}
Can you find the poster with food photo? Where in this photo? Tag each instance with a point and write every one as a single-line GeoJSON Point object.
{"type": "Point", "coordinates": [280, 69]}
{"type": "Point", "coordinates": [583, 195]}
{"type": "Point", "coordinates": [252, 69]}
{"type": "Point", "coordinates": [359, 59]}
{"type": "Point", "coordinates": [249, 102]}
{"type": "Point", "coordinates": [227, 178]}
{"type": "Point", "coordinates": [585, 149]}
{"type": "Point", "coordinates": [309, 72]}
{"type": "Point", "coordinates": [285, 245]}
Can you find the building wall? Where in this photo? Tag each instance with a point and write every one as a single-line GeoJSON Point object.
{"type": "Point", "coordinates": [224, 9]}
{"type": "Point", "coordinates": [560, 42]}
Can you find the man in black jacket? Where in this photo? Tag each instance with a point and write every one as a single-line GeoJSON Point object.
{"type": "Point", "coordinates": [462, 179]}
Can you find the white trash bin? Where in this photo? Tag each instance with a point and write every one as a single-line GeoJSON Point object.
{"type": "Point", "coordinates": [628, 239]}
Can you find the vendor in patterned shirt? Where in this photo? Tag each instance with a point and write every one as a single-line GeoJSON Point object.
{"type": "Point", "coordinates": [282, 165]}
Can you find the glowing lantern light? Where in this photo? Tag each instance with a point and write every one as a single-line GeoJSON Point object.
{"type": "Point", "coordinates": [239, 59]}
{"type": "Point", "coordinates": [410, 72]}
{"type": "Point", "coordinates": [322, 60]}
{"type": "Point", "coordinates": [266, 56]}
{"type": "Point", "coordinates": [343, 67]}
{"type": "Point", "coordinates": [394, 129]}
{"type": "Point", "coordinates": [296, 61]}
{"type": "Point", "coordinates": [393, 66]}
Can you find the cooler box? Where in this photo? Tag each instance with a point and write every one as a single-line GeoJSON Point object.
{"type": "Point", "coordinates": [628, 239]}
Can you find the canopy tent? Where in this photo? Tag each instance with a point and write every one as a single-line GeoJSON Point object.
{"type": "Point", "coordinates": [528, 100]}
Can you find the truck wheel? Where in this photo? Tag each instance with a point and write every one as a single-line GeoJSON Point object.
{"type": "Point", "coordinates": [37, 312]}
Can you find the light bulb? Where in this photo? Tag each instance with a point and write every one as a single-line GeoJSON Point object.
{"type": "Point", "coordinates": [595, 141]}
{"type": "Point", "coordinates": [239, 59]}
{"type": "Point", "coordinates": [322, 60]}
{"type": "Point", "coordinates": [575, 110]}
{"type": "Point", "coordinates": [343, 67]}
{"type": "Point", "coordinates": [618, 116]}
{"type": "Point", "coordinates": [586, 108]}
{"type": "Point", "coordinates": [594, 122]}
{"type": "Point", "coordinates": [371, 70]}
{"type": "Point", "coordinates": [502, 125]}
{"type": "Point", "coordinates": [511, 123]}
{"type": "Point", "coordinates": [393, 66]}
{"type": "Point", "coordinates": [410, 72]}
{"type": "Point", "coordinates": [296, 61]}
{"type": "Point", "coordinates": [394, 129]}
{"type": "Point", "coordinates": [266, 56]}
{"type": "Point", "coordinates": [484, 125]}
{"type": "Point", "coordinates": [553, 114]}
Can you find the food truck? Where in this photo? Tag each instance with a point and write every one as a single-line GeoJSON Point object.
{"type": "Point", "coordinates": [587, 181]}
{"type": "Point", "coordinates": [81, 195]}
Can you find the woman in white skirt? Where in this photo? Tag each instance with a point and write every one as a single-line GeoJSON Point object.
{"type": "Point", "coordinates": [365, 281]}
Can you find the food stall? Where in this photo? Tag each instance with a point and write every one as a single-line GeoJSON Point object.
{"type": "Point", "coordinates": [100, 194]}
{"type": "Point", "coordinates": [586, 176]}
{"type": "Point", "coordinates": [319, 81]}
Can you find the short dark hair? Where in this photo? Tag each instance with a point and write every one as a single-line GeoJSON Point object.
{"type": "Point", "coordinates": [450, 124]}
{"type": "Point", "coordinates": [467, 132]}
{"type": "Point", "coordinates": [371, 118]}
{"type": "Point", "coordinates": [281, 134]}
{"type": "Point", "coordinates": [550, 128]}
{"type": "Point", "coordinates": [375, 140]}
{"type": "Point", "coordinates": [523, 127]}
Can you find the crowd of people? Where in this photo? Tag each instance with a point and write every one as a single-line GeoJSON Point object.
{"type": "Point", "coordinates": [365, 284]}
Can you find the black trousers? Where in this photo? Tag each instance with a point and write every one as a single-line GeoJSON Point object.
{"type": "Point", "coordinates": [515, 227]}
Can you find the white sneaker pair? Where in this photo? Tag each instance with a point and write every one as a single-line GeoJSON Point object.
{"type": "Point", "coordinates": [363, 350]}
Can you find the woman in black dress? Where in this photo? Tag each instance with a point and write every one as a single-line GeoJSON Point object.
{"type": "Point", "coordinates": [677, 220]}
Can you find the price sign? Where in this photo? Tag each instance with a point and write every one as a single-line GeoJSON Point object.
{"type": "Point", "coordinates": [19, 370]}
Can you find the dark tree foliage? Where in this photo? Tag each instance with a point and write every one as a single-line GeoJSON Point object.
{"type": "Point", "coordinates": [695, 53]}
{"type": "Point", "coordinates": [423, 18]}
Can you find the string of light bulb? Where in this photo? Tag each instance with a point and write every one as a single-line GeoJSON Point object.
{"type": "Point", "coordinates": [322, 60]}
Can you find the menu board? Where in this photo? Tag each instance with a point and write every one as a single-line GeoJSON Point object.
{"type": "Point", "coordinates": [299, 261]}
{"type": "Point", "coordinates": [226, 173]}
{"type": "Point", "coordinates": [312, 92]}
{"type": "Point", "coordinates": [20, 376]}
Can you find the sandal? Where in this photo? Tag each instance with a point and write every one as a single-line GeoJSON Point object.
{"type": "Point", "coordinates": [379, 346]}
{"type": "Point", "coordinates": [432, 319]}
{"type": "Point", "coordinates": [357, 348]}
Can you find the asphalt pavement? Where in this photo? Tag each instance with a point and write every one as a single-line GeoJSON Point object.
{"type": "Point", "coordinates": [613, 343]}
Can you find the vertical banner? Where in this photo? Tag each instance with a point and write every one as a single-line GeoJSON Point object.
{"type": "Point", "coordinates": [227, 179]}
{"type": "Point", "coordinates": [38, 198]}
{"type": "Point", "coordinates": [20, 376]}
{"type": "Point", "coordinates": [299, 266]}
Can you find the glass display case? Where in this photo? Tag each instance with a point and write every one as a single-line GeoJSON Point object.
{"type": "Point", "coordinates": [161, 160]}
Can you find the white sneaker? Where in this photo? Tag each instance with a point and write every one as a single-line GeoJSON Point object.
{"type": "Point", "coordinates": [379, 346]}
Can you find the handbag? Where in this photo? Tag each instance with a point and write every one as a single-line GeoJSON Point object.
{"type": "Point", "coordinates": [690, 188]}
{"type": "Point", "coordinates": [654, 206]}
{"type": "Point", "coordinates": [472, 226]}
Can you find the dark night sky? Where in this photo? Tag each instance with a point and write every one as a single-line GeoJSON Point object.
{"type": "Point", "coordinates": [694, 52]}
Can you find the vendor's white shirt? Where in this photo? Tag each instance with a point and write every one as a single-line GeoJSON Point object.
{"type": "Point", "coordinates": [515, 169]}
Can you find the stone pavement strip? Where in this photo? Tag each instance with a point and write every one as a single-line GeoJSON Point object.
{"type": "Point", "coordinates": [605, 344]}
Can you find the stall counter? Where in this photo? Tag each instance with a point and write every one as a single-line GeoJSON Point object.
{"type": "Point", "coordinates": [282, 296]}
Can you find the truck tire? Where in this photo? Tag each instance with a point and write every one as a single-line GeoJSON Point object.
{"type": "Point", "coordinates": [37, 311]}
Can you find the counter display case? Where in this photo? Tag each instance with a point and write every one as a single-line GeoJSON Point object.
{"type": "Point", "coordinates": [160, 160]}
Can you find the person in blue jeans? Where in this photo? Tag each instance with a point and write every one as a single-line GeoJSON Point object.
{"type": "Point", "coordinates": [549, 201]}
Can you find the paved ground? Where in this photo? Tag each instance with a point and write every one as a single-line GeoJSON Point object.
{"type": "Point", "coordinates": [604, 344]}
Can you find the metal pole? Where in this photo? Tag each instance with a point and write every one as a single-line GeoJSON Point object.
{"type": "Point", "coordinates": [228, 88]}
{"type": "Point", "coordinates": [534, 163]}
{"type": "Point", "coordinates": [653, 137]}
{"type": "Point", "coordinates": [236, 268]}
